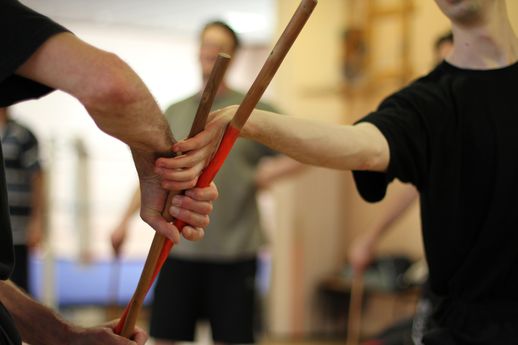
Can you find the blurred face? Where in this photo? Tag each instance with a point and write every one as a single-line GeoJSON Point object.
{"type": "Point", "coordinates": [465, 11]}
{"type": "Point", "coordinates": [214, 40]}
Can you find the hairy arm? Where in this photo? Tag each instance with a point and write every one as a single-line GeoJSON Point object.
{"type": "Point", "coordinates": [112, 93]}
{"type": "Point", "coordinates": [120, 104]}
{"type": "Point", "coordinates": [34, 321]}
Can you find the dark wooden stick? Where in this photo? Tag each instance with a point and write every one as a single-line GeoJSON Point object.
{"type": "Point", "coordinates": [129, 319]}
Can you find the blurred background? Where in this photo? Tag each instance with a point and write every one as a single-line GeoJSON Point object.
{"type": "Point", "coordinates": [351, 54]}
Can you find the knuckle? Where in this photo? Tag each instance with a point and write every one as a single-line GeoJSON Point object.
{"type": "Point", "coordinates": [205, 222]}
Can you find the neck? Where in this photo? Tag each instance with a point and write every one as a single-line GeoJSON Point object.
{"type": "Point", "coordinates": [489, 44]}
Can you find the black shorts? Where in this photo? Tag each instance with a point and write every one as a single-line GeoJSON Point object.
{"type": "Point", "coordinates": [223, 293]}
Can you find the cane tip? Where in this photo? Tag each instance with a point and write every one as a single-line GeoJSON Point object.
{"type": "Point", "coordinates": [223, 55]}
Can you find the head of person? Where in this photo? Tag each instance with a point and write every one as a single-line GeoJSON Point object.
{"type": "Point", "coordinates": [443, 46]}
{"type": "Point", "coordinates": [216, 37]}
{"type": "Point", "coordinates": [470, 12]}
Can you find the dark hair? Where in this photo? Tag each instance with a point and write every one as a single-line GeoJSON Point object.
{"type": "Point", "coordinates": [226, 27]}
{"type": "Point", "coordinates": [445, 38]}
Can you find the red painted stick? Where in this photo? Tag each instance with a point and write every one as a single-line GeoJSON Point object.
{"type": "Point", "coordinates": [160, 243]}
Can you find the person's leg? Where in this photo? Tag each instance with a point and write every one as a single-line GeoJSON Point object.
{"type": "Point", "coordinates": [176, 302]}
{"type": "Point", "coordinates": [231, 303]}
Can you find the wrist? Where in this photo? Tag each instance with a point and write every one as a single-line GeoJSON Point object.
{"type": "Point", "coordinates": [63, 333]}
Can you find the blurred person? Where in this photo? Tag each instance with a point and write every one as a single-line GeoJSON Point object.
{"type": "Point", "coordinates": [39, 55]}
{"type": "Point", "coordinates": [215, 279]}
{"type": "Point", "coordinates": [452, 134]}
{"type": "Point", "coordinates": [24, 177]}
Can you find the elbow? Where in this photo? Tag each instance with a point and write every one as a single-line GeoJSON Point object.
{"type": "Point", "coordinates": [375, 159]}
{"type": "Point", "coordinates": [112, 86]}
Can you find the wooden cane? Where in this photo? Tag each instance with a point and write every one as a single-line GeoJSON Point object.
{"type": "Point", "coordinates": [244, 110]}
{"type": "Point", "coordinates": [355, 310]}
{"type": "Point", "coordinates": [127, 322]}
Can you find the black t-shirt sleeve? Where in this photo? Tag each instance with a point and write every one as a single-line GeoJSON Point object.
{"type": "Point", "coordinates": [404, 126]}
{"type": "Point", "coordinates": [22, 32]}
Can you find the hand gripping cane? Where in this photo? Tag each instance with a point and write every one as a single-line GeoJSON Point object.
{"type": "Point", "coordinates": [160, 243]}
{"type": "Point", "coordinates": [251, 99]}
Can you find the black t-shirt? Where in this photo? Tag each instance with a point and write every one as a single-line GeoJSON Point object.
{"type": "Point", "coordinates": [454, 135]}
{"type": "Point", "coordinates": [22, 31]}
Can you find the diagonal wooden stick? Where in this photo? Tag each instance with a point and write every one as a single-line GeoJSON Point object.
{"type": "Point", "coordinates": [246, 107]}
{"type": "Point", "coordinates": [128, 320]}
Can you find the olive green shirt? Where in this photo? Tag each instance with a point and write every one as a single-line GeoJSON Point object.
{"type": "Point", "coordinates": [234, 231]}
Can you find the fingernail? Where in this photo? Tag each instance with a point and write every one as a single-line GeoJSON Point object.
{"type": "Point", "coordinates": [176, 201]}
{"type": "Point", "coordinates": [174, 211]}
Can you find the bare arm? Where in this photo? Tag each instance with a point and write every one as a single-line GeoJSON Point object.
{"type": "Point", "coordinates": [34, 321]}
{"type": "Point", "coordinates": [108, 88]}
{"type": "Point", "coordinates": [120, 104]}
{"type": "Point", "coordinates": [359, 147]}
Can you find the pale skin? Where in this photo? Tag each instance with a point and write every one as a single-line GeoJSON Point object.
{"type": "Point", "coordinates": [122, 106]}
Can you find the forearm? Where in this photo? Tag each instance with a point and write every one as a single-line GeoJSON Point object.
{"type": "Point", "coordinates": [36, 323]}
{"type": "Point", "coordinates": [112, 93]}
{"type": "Point", "coordinates": [360, 147]}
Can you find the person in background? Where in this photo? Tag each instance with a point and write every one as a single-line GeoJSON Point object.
{"type": "Point", "coordinates": [215, 279]}
{"type": "Point", "coordinates": [25, 192]}
{"type": "Point", "coordinates": [38, 56]}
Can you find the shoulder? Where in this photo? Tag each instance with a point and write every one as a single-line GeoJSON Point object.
{"type": "Point", "coordinates": [426, 96]}
{"type": "Point", "coordinates": [22, 32]}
